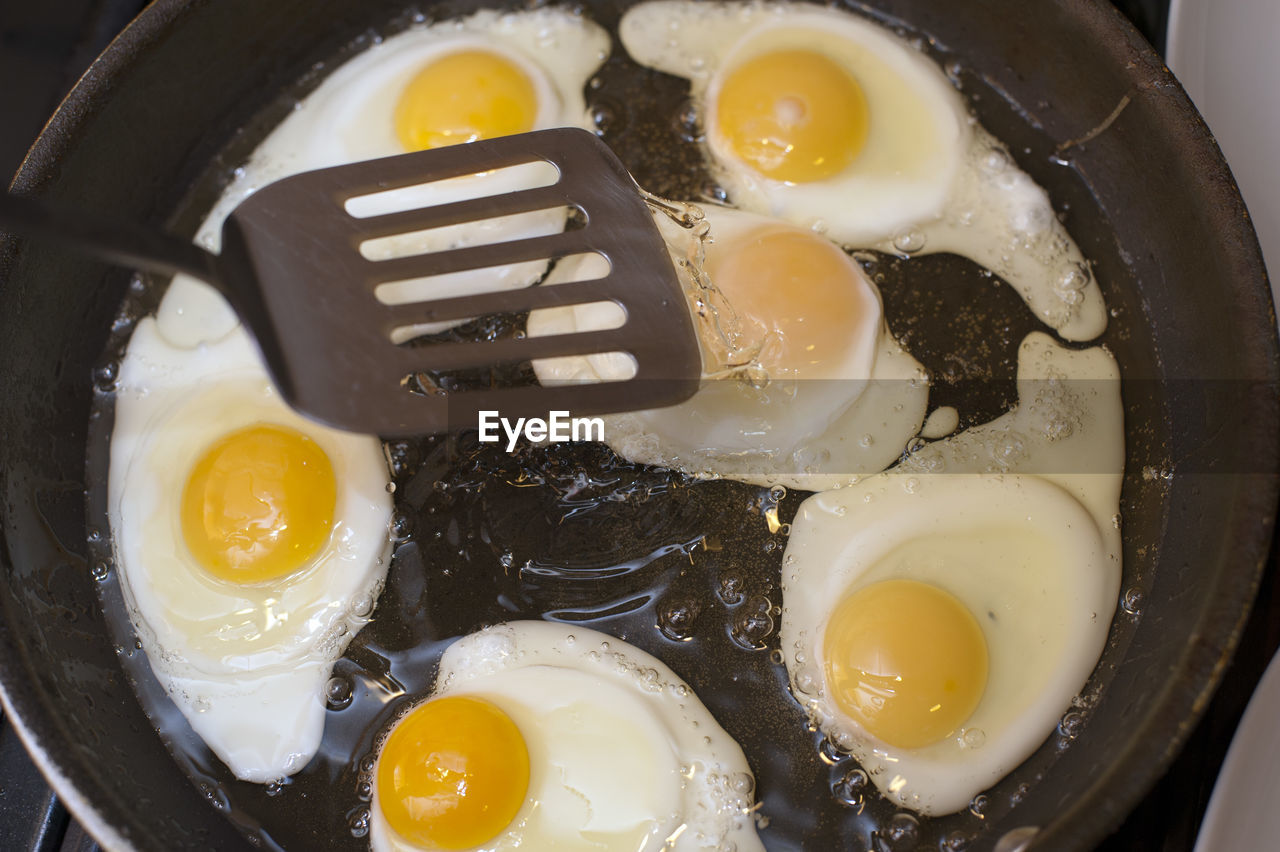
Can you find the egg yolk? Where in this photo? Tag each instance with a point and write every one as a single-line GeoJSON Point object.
{"type": "Point", "coordinates": [453, 773]}
{"type": "Point", "coordinates": [462, 97]}
{"type": "Point", "coordinates": [798, 292]}
{"type": "Point", "coordinates": [906, 660]}
{"type": "Point", "coordinates": [258, 504]}
{"type": "Point", "coordinates": [793, 115]}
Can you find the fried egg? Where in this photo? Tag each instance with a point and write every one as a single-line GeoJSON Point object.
{"type": "Point", "coordinates": [486, 75]}
{"type": "Point", "coordinates": [544, 736]}
{"type": "Point", "coordinates": [825, 119]}
{"type": "Point", "coordinates": [251, 545]}
{"type": "Point", "coordinates": [803, 384]}
{"type": "Point", "coordinates": [939, 619]}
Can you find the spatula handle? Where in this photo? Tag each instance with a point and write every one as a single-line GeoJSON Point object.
{"type": "Point", "coordinates": [122, 243]}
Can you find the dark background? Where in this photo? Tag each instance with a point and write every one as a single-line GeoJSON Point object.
{"type": "Point", "coordinates": [45, 46]}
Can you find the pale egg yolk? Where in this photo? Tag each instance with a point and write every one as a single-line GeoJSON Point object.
{"type": "Point", "coordinates": [793, 115]}
{"type": "Point", "coordinates": [462, 97]}
{"type": "Point", "coordinates": [906, 660]}
{"type": "Point", "coordinates": [453, 773]}
{"type": "Point", "coordinates": [258, 504]}
{"type": "Point", "coordinates": [798, 292]}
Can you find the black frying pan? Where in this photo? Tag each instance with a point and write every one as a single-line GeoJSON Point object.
{"type": "Point", "coordinates": [187, 91]}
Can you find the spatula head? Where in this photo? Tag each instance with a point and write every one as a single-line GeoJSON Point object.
{"type": "Point", "coordinates": [291, 262]}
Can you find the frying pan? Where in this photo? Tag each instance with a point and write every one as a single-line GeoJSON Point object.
{"type": "Point", "coordinates": [1088, 110]}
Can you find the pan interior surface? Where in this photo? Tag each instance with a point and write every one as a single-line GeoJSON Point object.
{"type": "Point", "coordinates": [1147, 198]}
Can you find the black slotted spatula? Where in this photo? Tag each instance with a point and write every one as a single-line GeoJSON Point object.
{"type": "Point", "coordinates": [291, 266]}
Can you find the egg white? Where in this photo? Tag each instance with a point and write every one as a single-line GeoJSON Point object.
{"type": "Point", "coordinates": [245, 664]}
{"type": "Point", "coordinates": [799, 431]}
{"type": "Point", "coordinates": [349, 118]}
{"type": "Point", "coordinates": [930, 179]}
{"type": "Point", "coordinates": [1067, 426]}
{"type": "Point", "coordinates": [623, 755]}
{"type": "Point", "coordinates": [1019, 519]}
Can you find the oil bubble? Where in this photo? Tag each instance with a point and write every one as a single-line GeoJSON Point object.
{"type": "Point", "coordinates": [850, 789]}
{"type": "Point", "coordinates": [752, 625]}
{"type": "Point", "coordinates": [732, 587]}
{"type": "Point", "coordinates": [338, 693]}
{"type": "Point", "coordinates": [677, 618]}
{"type": "Point", "coordinates": [104, 378]}
{"type": "Point", "coordinates": [909, 241]}
{"type": "Point", "coordinates": [686, 123]}
{"type": "Point", "coordinates": [603, 117]}
{"type": "Point", "coordinates": [902, 831]}
{"type": "Point", "coordinates": [400, 527]}
{"type": "Point", "coordinates": [807, 681]}
{"type": "Point", "coordinates": [978, 807]}
{"type": "Point", "coordinates": [402, 457]}
{"type": "Point", "coordinates": [358, 822]}
{"type": "Point", "coordinates": [742, 783]}
{"type": "Point", "coordinates": [829, 753]}
{"type": "Point", "coordinates": [1074, 279]}
{"type": "Point", "coordinates": [216, 796]}
{"type": "Point", "coordinates": [715, 192]}
{"type": "Point", "coordinates": [1071, 724]}
{"type": "Point", "coordinates": [1131, 602]}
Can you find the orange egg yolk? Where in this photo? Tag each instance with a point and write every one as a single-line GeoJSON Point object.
{"type": "Point", "coordinates": [792, 115]}
{"type": "Point", "coordinates": [800, 290]}
{"type": "Point", "coordinates": [462, 97]}
{"type": "Point", "coordinates": [906, 660]}
{"type": "Point", "coordinates": [453, 773]}
{"type": "Point", "coordinates": [259, 504]}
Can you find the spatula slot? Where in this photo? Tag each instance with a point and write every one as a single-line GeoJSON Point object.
{"type": "Point", "coordinates": [490, 279]}
{"type": "Point", "coordinates": [584, 266]}
{"type": "Point", "coordinates": [490, 231]}
{"type": "Point", "coordinates": [446, 356]}
{"type": "Point", "coordinates": [589, 317]}
{"type": "Point", "coordinates": [549, 247]}
{"type": "Point", "coordinates": [607, 366]}
{"type": "Point", "coordinates": [592, 316]}
{"type": "Point", "coordinates": [496, 182]}
{"type": "Point", "coordinates": [510, 375]}
{"type": "Point", "coordinates": [500, 302]}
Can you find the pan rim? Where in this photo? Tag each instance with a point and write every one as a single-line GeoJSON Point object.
{"type": "Point", "coordinates": [114, 830]}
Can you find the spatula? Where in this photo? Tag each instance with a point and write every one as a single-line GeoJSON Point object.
{"type": "Point", "coordinates": [291, 267]}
